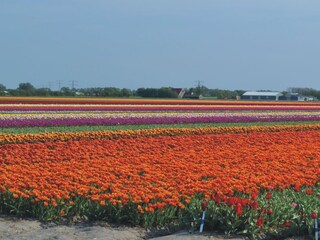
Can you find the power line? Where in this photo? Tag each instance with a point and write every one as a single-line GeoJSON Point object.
{"type": "Point", "coordinates": [59, 84]}
{"type": "Point", "coordinates": [199, 84]}
{"type": "Point", "coordinates": [73, 83]}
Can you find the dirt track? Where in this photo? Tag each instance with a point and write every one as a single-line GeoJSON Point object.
{"type": "Point", "coordinates": [22, 229]}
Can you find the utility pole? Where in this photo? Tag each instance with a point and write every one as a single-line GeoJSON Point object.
{"type": "Point", "coordinates": [73, 83]}
{"type": "Point", "coordinates": [59, 84]}
{"type": "Point", "coordinates": [198, 86]}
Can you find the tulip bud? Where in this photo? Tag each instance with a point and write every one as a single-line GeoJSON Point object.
{"type": "Point", "coordinates": [204, 205]}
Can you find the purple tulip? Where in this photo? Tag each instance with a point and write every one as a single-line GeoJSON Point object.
{"type": "Point", "coordinates": [149, 120]}
{"type": "Point", "coordinates": [158, 109]}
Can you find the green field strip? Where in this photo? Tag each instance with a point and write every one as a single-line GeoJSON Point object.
{"type": "Point", "coordinates": [86, 128]}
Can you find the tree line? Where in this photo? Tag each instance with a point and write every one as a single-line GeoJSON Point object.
{"type": "Point", "coordinates": [27, 89]}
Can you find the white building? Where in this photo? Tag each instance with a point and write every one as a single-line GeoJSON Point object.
{"type": "Point", "coordinates": [264, 96]}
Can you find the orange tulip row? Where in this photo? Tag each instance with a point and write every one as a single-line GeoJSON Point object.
{"type": "Point", "coordinates": [67, 136]}
{"type": "Point", "coordinates": [158, 167]}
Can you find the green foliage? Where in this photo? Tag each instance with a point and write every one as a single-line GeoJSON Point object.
{"type": "Point", "coordinates": [27, 89]}
{"type": "Point", "coordinates": [224, 94]}
{"type": "Point", "coordinates": [285, 213]}
{"type": "Point", "coordinates": [2, 89]}
{"type": "Point", "coordinates": [156, 93]}
{"type": "Point", "coordinates": [306, 91]}
{"type": "Point", "coordinates": [83, 128]}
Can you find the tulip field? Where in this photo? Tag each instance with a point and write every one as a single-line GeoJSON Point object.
{"type": "Point", "coordinates": [253, 167]}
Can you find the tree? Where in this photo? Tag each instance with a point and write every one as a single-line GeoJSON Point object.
{"type": "Point", "coordinates": [25, 89]}
{"type": "Point", "coordinates": [111, 92]}
{"type": "Point", "coordinates": [28, 87]}
{"type": "Point", "coordinates": [224, 94]}
{"type": "Point", "coordinates": [2, 88]}
{"type": "Point", "coordinates": [166, 93]}
{"type": "Point", "coordinates": [305, 91]}
{"type": "Point", "coordinates": [126, 92]}
{"type": "Point", "coordinates": [43, 92]}
{"type": "Point", "coordinates": [200, 90]}
{"type": "Point", "coordinates": [156, 93]}
{"type": "Point", "coordinates": [65, 91]}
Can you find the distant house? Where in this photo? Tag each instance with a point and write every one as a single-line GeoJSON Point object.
{"type": "Point", "coordinates": [79, 93]}
{"type": "Point", "coordinates": [306, 98]}
{"type": "Point", "coordinates": [290, 97]}
{"type": "Point", "coordinates": [296, 97]}
{"type": "Point", "coordinates": [179, 91]}
{"type": "Point", "coordinates": [261, 96]}
{"type": "Point", "coordinates": [192, 96]}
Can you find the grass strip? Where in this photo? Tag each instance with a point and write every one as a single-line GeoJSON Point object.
{"type": "Point", "coordinates": [85, 128]}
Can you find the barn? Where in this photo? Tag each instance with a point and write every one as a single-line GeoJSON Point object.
{"type": "Point", "coordinates": [179, 91]}
{"type": "Point", "coordinates": [263, 96]}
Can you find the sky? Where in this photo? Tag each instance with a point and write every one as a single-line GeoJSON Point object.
{"type": "Point", "coordinates": [226, 44]}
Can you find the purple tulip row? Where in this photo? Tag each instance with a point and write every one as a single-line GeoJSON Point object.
{"type": "Point", "coordinates": [158, 109]}
{"type": "Point", "coordinates": [158, 120]}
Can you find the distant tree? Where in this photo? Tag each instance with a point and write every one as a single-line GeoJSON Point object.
{"type": "Point", "coordinates": [28, 87]}
{"type": "Point", "coordinates": [2, 90]}
{"type": "Point", "coordinates": [126, 92]}
{"type": "Point", "coordinates": [146, 92]}
{"type": "Point", "coordinates": [239, 92]}
{"type": "Point", "coordinates": [2, 87]}
{"type": "Point", "coordinates": [305, 91]}
{"type": "Point", "coordinates": [25, 89]}
{"type": "Point", "coordinates": [224, 94]}
{"type": "Point", "coordinates": [112, 92]}
{"type": "Point", "coordinates": [166, 93]}
{"type": "Point", "coordinates": [141, 92]}
{"type": "Point", "coordinates": [106, 92]}
{"type": "Point", "coordinates": [65, 91]}
{"type": "Point", "coordinates": [156, 92]}
{"type": "Point", "coordinates": [43, 92]}
{"type": "Point", "coordinates": [200, 90]}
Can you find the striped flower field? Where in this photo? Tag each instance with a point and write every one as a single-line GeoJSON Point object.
{"type": "Point", "coordinates": [254, 167]}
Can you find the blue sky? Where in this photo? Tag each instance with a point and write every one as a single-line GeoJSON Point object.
{"type": "Point", "coordinates": [227, 44]}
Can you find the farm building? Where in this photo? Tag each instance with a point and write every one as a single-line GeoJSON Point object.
{"type": "Point", "coordinates": [192, 96]}
{"type": "Point", "coordinates": [179, 91]}
{"type": "Point", "coordinates": [296, 97]}
{"type": "Point", "coordinates": [183, 93]}
{"type": "Point", "coordinates": [261, 95]}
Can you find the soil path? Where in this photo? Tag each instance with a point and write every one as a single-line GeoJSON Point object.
{"type": "Point", "coordinates": [24, 229]}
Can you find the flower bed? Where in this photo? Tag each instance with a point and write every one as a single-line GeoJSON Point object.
{"type": "Point", "coordinates": [252, 180]}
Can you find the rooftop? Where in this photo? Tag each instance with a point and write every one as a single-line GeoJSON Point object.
{"type": "Point", "coordinates": [254, 93]}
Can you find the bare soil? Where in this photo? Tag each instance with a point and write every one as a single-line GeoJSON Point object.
{"type": "Point", "coordinates": [12, 228]}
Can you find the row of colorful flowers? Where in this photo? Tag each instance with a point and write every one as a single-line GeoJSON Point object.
{"type": "Point", "coordinates": [159, 175]}
{"type": "Point", "coordinates": [161, 107]}
{"type": "Point", "coordinates": [119, 134]}
{"type": "Point", "coordinates": [100, 118]}
{"type": "Point", "coordinates": [154, 114]}
{"type": "Point", "coordinates": [181, 163]}
{"type": "Point", "coordinates": [251, 180]}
